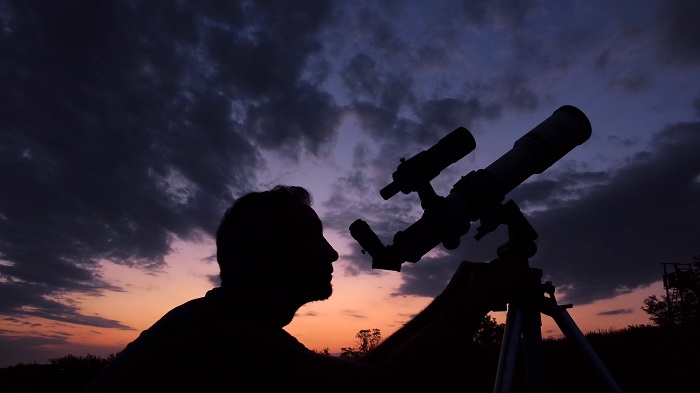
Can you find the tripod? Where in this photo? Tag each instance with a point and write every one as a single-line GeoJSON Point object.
{"type": "Point", "coordinates": [523, 319]}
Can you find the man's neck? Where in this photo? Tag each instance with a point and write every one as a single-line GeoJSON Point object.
{"type": "Point", "coordinates": [272, 310]}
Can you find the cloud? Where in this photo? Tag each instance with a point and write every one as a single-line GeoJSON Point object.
{"type": "Point", "coordinates": [300, 117]}
{"type": "Point", "coordinates": [127, 126]}
{"type": "Point", "coordinates": [25, 301]}
{"type": "Point", "coordinates": [631, 83]}
{"type": "Point", "coordinates": [354, 314]}
{"type": "Point", "coordinates": [21, 348]}
{"type": "Point", "coordinates": [678, 32]}
{"type": "Point", "coordinates": [620, 311]}
{"type": "Point", "coordinates": [41, 348]}
{"type": "Point", "coordinates": [696, 106]}
{"type": "Point", "coordinates": [510, 15]}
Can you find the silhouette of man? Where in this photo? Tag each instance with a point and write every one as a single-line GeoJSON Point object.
{"type": "Point", "coordinates": [273, 259]}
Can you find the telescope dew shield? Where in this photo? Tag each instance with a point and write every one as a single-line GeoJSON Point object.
{"type": "Point", "coordinates": [544, 145]}
{"type": "Point", "coordinates": [426, 165]}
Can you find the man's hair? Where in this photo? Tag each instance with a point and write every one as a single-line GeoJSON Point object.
{"type": "Point", "coordinates": [254, 228]}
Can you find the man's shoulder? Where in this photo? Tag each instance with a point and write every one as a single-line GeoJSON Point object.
{"type": "Point", "coordinates": [204, 339]}
{"type": "Point", "coordinates": [213, 322]}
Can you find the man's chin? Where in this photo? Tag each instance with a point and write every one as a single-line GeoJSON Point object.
{"type": "Point", "coordinates": [322, 294]}
{"type": "Point", "coordinates": [327, 293]}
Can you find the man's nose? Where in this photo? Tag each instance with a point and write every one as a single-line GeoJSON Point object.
{"type": "Point", "coordinates": [331, 252]}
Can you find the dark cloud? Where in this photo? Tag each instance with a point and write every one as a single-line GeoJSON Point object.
{"type": "Point", "coordinates": [520, 95]}
{"type": "Point", "coordinates": [506, 13]}
{"type": "Point", "coordinates": [603, 59]}
{"type": "Point", "coordinates": [127, 126]}
{"type": "Point", "coordinates": [614, 236]}
{"type": "Point", "coordinates": [633, 83]}
{"type": "Point", "coordinates": [449, 113]}
{"type": "Point", "coordinates": [27, 349]}
{"type": "Point", "coordinates": [400, 135]}
{"type": "Point", "coordinates": [620, 311]}
{"type": "Point", "coordinates": [696, 106]}
{"type": "Point", "coordinates": [301, 117]}
{"type": "Point", "coordinates": [678, 32]}
{"type": "Point", "coordinates": [24, 300]}
{"type": "Point", "coordinates": [354, 314]}
{"type": "Point", "coordinates": [361, 77]}
{"type": "Point", "coordinates": [40, 348]}
{"type": "Point", "coordinates": [535, 47]}
{"type": "Point", "coordinates": [387, 88]}
{"type": "Point", "coordinates": [625, 142]}
{"type": "Point", "coordinates": [375, 25]}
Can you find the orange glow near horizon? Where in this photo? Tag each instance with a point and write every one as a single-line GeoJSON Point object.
{"type": "Point", "coordinates": [358, 302]}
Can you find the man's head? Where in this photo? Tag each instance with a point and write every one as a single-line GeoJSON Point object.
{"type": "Point", "coordinates": [274, 238]}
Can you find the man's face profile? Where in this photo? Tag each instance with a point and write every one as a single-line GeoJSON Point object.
{"type": "Point", "coordinates": [309, 259]}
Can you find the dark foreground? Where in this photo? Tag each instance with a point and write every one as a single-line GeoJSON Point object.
{"type": "Point", "coordinates": [641, 359]}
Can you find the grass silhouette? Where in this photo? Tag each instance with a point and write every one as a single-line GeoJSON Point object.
{"type": "Point", "coordinates": [642, 358]}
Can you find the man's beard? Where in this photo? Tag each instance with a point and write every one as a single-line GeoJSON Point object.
{"type": "Point", "coordinates": [300, 288]}
{"type": "Point", "coordinates": [312, 289]}
{"type": "Point", "coordinates": [318, 291]}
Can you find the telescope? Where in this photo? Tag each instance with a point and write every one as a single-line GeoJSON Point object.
{"type": "Point", "coordinates": [476, 196]}
{"type": "Point", "coordinates": [479, 196]}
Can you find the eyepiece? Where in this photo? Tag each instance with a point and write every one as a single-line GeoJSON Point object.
{"type": "Point", "coordinates": [366, 237]}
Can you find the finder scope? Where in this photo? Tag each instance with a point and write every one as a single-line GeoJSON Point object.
{"type": "Point", "coordinates": [411, 174]}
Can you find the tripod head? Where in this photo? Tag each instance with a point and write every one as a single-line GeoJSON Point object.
{"type": "Point", "coordinates": [476, 196]}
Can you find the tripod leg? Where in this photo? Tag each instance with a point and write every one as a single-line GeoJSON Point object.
{"type": "Point", "coordinates": [572, 332]}
{"type": "Point", "coordinates": [509, 350]}
{"type": "Point", "coordinates": [526, 323]}
{"type": "Point", "coordinates": [532, 346]}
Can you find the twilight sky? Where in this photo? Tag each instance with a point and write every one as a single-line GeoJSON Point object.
{"type": "Point", "coordinates": [126, 128]}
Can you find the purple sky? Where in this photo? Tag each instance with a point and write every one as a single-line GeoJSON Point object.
{"type": "Point", "coordinates": [129, 125]}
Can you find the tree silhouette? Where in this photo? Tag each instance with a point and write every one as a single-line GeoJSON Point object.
{"type": "Point", "coordinates": [324, 351]}
{"type": "Point", "coordinates": [366, 339]}
{"type": "Point", "coordinates": [490, 333]}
